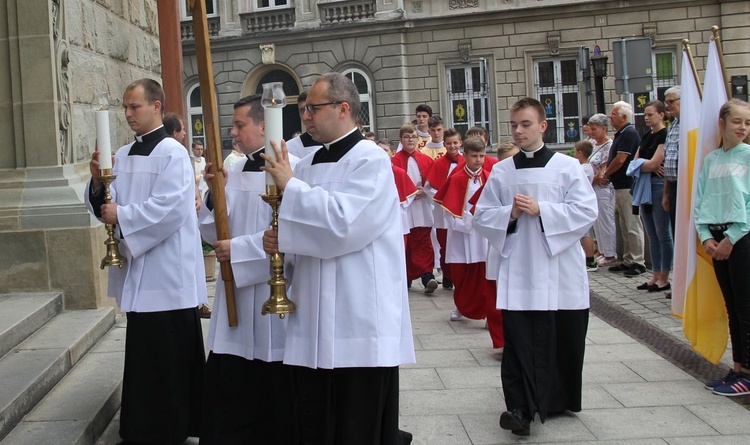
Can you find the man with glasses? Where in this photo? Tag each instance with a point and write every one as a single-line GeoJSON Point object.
{"type": "Point", "coordinates": [351, 331]}
{"type": "Point", "coordinates": [304, 144]}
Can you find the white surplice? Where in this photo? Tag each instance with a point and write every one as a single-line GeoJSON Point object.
{"type": "Point", "coordinates": [542, 265]}
{"type": "Point", "coordinates": [342, 221]}
{"type": "Point", "coordinates": [463, 244]}
{"type": "Point", "coordinates": [256, 336]}
{"type": "Point", "coordinates": [155, 198]}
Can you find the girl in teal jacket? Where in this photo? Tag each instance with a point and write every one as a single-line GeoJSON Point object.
{"type": "Point", "coordinates": [722, 218]}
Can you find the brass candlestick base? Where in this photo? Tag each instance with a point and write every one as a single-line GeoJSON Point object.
{"type": "Point", "coordinates": [277, 303]}
{"type": "Point", "coordinates": [113, 256]}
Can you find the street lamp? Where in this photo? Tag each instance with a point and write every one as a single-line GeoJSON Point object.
{"type": "Point", "coordinates": [599, 64]}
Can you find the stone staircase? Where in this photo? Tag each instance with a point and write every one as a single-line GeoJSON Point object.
{"type": "Point", "coordinates": [60, 371]}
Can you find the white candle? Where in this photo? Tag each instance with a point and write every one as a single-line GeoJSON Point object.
{"type": "Point", "coordinates": [274, 118]}
{"type": "Point", "coordinates": [102, 139]}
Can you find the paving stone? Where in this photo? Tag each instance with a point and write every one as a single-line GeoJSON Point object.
{"type": "Point", "coordinates": [431, 327]}
{"type": "Point", "coordinates": [413, 379]}
{"type": "Point", "coordinates": [614, 353]}
{"type": "Point", "coordinates": [595, 397]}
{"type": "Point", "coordinates": [435, 429]}
{"type": "Point", "coordinates": [455, 341]}
{"type": "Point", "coordinates": [606, 372]}
{"type": "Point", "coordinates": [609, 337]}
{"type": "Point", "coordinates": [642, 422]}
{"type": "Point", "coordinates": [431, 359]}
{"type": "Point", "coordinates": [451, 401]}
{"type": "Point", "coordinates": [482, 377]}
{"type": "Point", "coordinates": [22, 314]}
{"type": "Point", "coordinates": [723, 416]}
{"type": "Point", "coordinates": [660, 393]}
{"type": "Point", "coordinates": [657, 370]}
{"type": "Point", "coordinates": [485, 429]}
{"type": "Point", "coordinates": [709, 440]}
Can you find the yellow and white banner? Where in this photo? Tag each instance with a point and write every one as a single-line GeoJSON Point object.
{"type": "Point", "coordinates": [704, 315]}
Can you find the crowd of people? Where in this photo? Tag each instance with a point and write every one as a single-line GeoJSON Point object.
{"type": "Point", "coordinates": [512, 237]}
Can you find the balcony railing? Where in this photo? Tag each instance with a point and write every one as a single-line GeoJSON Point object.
{"type": "Point", "coordinates": [187, 33]}
{"type": "Point", "coordinates": [274, 20]}
{"type": "Point", "coordinates": [346, 11]}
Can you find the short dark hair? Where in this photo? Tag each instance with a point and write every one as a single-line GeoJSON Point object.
{"type": "Point", "coordinates": [386, 142]}
{"type": "Point", "coordinates": [451, 132]}
{"type": "Point", "coordinates": [474, 145]}
{"type": "Point", "coordinates": [585, 147]}
{"type": "Point", "coordinates": [302, 97]}
{"type": "Point", "coordinates": [585, 120]}
{"type": "Point", "coordinates": [477, 131]}
{"type": "Point", "coordinates": [530, 102]}
{"type": "Point", "coordinates": [197, 142]}
{"type": "Point", "coordinates": [424, 107]}
{"type": "Point", "coordinates": [151, 89]}
{"type": "Point", "coordinates": [256, 109]}
{"type": "Point", "coordinates": [434, 121]}
{"type": "Point", "coordinates": [172, 123]}
{"type": "Point", "coordinates": [407, 128]}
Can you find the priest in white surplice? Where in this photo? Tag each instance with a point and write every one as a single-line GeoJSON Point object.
{"type": "Point", "coordinates": [534, 209]}
{"type": "Point", "coordinates": [244, 363]}
{"type": "Point", "coordinates": [163, 281]}
{"type": "Point", "coordinates": [340, 218]}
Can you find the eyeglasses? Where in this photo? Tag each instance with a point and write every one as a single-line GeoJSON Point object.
{"type": "Point", "coordinates": [410, 138]}
{"type": "Point", "coordinates": [671, 101]}
{"type": "Point", "coordinates": [312, 108]}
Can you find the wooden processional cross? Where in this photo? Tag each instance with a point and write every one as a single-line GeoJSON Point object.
{"type": "Point", "coordinates": [213, 143]}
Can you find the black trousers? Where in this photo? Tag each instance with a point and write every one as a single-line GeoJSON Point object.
{"type": "Point", "coordinates": [734, 279]}
{"type": "Point", "coordinates": [672, 205]}
{"type": "Point", "coordinates": [247, 402]}
{"type": "Point", "coordinates": [543, 360]}
{"type": "Point", "coordinates": [161, 388]}
{"type": "Point", "coordinates": [347, 406]}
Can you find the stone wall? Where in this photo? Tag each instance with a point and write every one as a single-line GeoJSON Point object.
{"type": "Point", "coordinates": [112, 43]}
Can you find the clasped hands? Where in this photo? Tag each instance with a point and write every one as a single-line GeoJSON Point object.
{"type": "Point", "coordinates": [524, 204]}
{"type": "Point", "coordinates": [718, 250]}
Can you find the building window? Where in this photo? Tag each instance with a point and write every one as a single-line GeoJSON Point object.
{"type": "Point", "coordinates": [556, 82]}
{"type": "Point", "coordinates": [270, 4]}
{"type": "Point", "coordinates": [363, 84]}
{"type": "Point", "coordinates": [664, 62]}
{"type": "Point", "coordinates": [196, 128]}
{"type": "Point", "coordinates": [292, 122]}
{"type": "Point", "coordinates": [468, 97]}
{"type": "Point", "coordinates": [185, 14]}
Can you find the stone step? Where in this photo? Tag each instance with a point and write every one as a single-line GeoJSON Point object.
{"type": "Point", "coordinates": [23, 313]}
{"type": "Point", "coordinates": [82, 405]}
{"type": "Point", "coordinates": [31, 369]}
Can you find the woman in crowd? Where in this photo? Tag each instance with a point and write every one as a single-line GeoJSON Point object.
{"type": "Point", "coordinates": [604, 227]}
{"type": "Point", "coordinates": [655, 218]}
{"type": "Point", "coordinates": [722, 218]}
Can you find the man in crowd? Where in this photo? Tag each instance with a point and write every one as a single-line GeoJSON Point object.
{"type": "Point", "coordinates": [163, 281]}
{"type": "Point", "coordinates": [671, 153]}
{"type": "Point", "coordinates": [351, 331]}
{"type": "Point", "coordinates": [624, 146]}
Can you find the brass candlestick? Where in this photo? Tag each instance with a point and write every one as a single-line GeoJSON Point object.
{"type": "Point", "coordinates": [277, 303]}
{"type": "Point", "coordinates": [113, 256]}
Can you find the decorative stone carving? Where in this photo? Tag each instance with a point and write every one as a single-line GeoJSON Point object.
{"type": "Point", "coordinates": [460, 4]}
{"type": "Point", "coordinates": [553, 40]}
{"type": "Point", "coordinates": [416, 6]}
{"type": "Point", "coordinates": [649, 30]}
{"type": "Point", "coordinates": [62, 59]}
{"type": "Point", "coordinates": [465, 50]}
{"type": "Point", "coordinates": [268, 53]}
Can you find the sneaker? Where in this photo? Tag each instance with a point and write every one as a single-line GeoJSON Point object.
{"type": "Point", "coordinates": [592, 266]}
{"type": "Point", "coordinates": [430, 286]}
{"type": "Point", "coordinates": [739, 387]}
{"type": "Point", "coordinates": [635, 270]}
{"type": "Point", "coordinates": [447, 284]}
{"type": "Point", "coordinates": [455, 315]}
{"type": "Point", "coordinates": [729, 378]}
{"type": "Point", "coordinates": [622, 267]}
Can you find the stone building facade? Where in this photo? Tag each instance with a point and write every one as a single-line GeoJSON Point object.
{"type": "Point", "coordinates": [54, 54]}
{"type": "Point", "coordinates": [468, 59]}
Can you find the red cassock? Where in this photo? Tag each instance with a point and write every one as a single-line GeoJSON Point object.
{"type": "Point", "coordinates": [474, 295]}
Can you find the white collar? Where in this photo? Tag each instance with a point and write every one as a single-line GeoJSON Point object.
{"type": "Point", "coordinates": [530, 154]}
{"type": "Point", "coordinates": [327, 145]}
{"type": "Point", "coordinates": [139, 137]}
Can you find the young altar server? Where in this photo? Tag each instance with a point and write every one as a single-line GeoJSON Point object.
{"type": "Point", "coordinates": [404, 185]}
{"type": "Point", "coordinates": [420, 254]}
{"type": "Point", "coordinates": [441, 169]}
{"type": "Point", "coordinates": [163, 281]}
{"type": "Point", "coordinates": [466, 250]}
{"type": "Point", "coordinates": [351, 331]}
{"type": "Point", "coordinates": [435, 148]}
{"type": "Point", "coordinates": [534, 209]}
{"type": "Point", "coordinates": [245, 362]}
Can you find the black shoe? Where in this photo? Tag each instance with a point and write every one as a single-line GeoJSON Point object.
{"type": "Point", "coordinates": [516, 422]}
{"type": "Point", "coordinates": [635, 270]}
{"type": "Point", "coordinates": [656, 288]}
{"type": "Point", "coordinates": [447, 284]}
{"type": "Point", "coordinates": [644, 286]}
{"type": "Point", "coordinates": [622, 267]}
{"type": "Point", "coordinates": [406, 437]}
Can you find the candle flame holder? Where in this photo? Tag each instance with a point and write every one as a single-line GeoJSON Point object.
{"type": "Point", "coordinates": [113, 256]}
{"type": "Point", "coordinates": [277, 303]}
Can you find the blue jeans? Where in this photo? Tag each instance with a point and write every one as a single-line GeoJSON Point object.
{"type": "Point", "coordinates": [657, 225]}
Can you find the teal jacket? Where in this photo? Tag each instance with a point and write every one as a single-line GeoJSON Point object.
{"type": "Point", "coordinates": [724, 193]}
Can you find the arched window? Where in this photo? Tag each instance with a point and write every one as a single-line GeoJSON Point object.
{"type": "Point", "coordinates": [292, 123]}
{"type": "Point", "coordinates": [364, 87]}
{"type": "Point", "coordinates": [196, 130]}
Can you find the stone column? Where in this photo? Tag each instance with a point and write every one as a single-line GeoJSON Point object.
{"type": "Point", "coordinates": [49, 240]}
{"type": "Point", "coordinates": [306, 14]}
